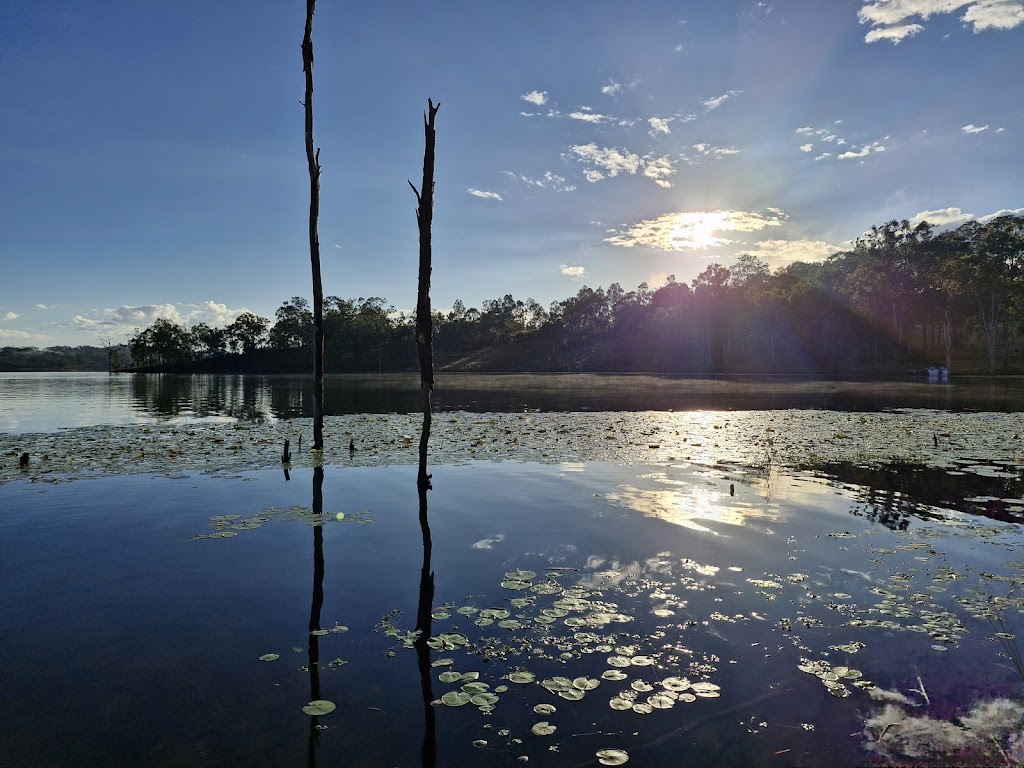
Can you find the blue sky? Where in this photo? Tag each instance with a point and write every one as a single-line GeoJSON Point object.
{"type": "Point", "coordinates": [152, 161]}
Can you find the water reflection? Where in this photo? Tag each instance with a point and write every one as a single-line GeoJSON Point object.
{"type": "Point", "coordinates": [424, 605]}
{"type": "Point", "coordinates": [893, 494]}
{"type": "Point", "coordinates": [43, 402]}
{"type": "Point", "coordinates": [698, 507]}
{"type": "Point", "coordinates": [315, 606]}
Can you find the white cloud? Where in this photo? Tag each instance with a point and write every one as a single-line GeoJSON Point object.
{"type": "Point", "coordinates": [659, 124]}
{"type": "Point", "coordinates": [1004, 212]}
{"type": "Point", "coordinates": [10, 316]}
{"type": "Point", "coordinates": [535, 97]}
{"type": "Point", "coordinates": [611, 88]}
{"type": "Point", "coordinates": [568, 271]}
{"type": "Point", "coordinates": [548, 181]}
{"type": "Point", "coordinates": [896, 33]}
{"type": "Point", "coordinates": [659, 170]}
{"type": "Point", "coordinates": [806, 147]}
{"type": "Point", "coordinates": [42, 306]}
{"type": "Point", "coordinates": [717, 101]}
{"type": "Point", "coordinates": [693, 230]}
{"type": "Point", "coordinates": [972, 128]}
{"type": "Point", "coordinates": [954, 217]}
{"type": "Point", "coordinates": [1000, 130]}
{"type": "Point", "coordinates": [864, 151]}
{"type": "Point", "coordinates": [717, 152]}
{"type": "Point", "coordinates": [589, 117]}
{"type": "Point", "coordinates": [779, 253]}
{"type": "Point", "coordinates": [124, 320]}
{"type": "Point", "coordinates": [893, 19]}
{"type": "Point", "coordinates": [485, 195]}
{"type": "Point", "coordinates": [943, 217]}
{"type": "Point", "coordinates": [13, 335]}
{"type": "Point", "coordinates": [678, 47]}
{"type": "Point", "coordinates": [608, 162]}
{"type": "Point", "coordinates": [824, 156]}
{"type": "Point", "coordinates": [612, 161]}
{"type": "Point", "coordinates": [994, 14]}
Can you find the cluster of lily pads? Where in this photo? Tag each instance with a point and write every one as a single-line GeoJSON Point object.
{"type": "Point", "coordinates": [229, 526]}
{"type": "Point", "coordinates": [744, 438]}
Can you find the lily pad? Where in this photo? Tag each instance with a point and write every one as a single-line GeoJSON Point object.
{"type": "Point", "coordinates": [612, 756]}
{"type": "Point", "coordinates": [319, 707]}
{"type": "Point", "coordinates": [270, 657]}
{"type": "Point", "coordinates": [456, 698]}
{"type": "Point", "coordinates": [543, 728]}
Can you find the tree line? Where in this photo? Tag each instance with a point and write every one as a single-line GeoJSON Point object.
{"type": "Point", "coordinates": [902, 296]}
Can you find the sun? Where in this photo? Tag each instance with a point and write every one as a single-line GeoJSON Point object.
{"type": "Point", "coordinates": [695, 230]}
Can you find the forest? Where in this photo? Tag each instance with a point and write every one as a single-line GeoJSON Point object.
{"type": "Point", "coordinates": [901, 298]}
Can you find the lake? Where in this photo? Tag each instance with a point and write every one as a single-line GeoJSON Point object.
{"type": "Point", "coordinates": [617, 569]}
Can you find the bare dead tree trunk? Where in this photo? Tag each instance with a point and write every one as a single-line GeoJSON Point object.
{"type": "Point", "coordinates": [313, 160]}
{"type": "Point", "coordinates": [424, 321]}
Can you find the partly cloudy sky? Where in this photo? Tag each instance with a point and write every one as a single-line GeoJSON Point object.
{"type": "Point", "coordinates": [153, 165]}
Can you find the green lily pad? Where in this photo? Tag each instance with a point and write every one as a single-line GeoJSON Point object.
{"type": "Point", "coordinates": [484, 699]}
{"type": "Point", "coordinates": [543, 728]}
{"type": "Point", "coordinates": [544, 709]}
{"type": "Point", "coordinates": [522, 677]}
{"type": "Point", "coordinates": [270, 657]}
{"type": "Point", "coordinates": [450, 676]}
{"type": "Point", "coordinates": [455, 698]}
{"type": "Point", "coordinates": [319, 707]}
{"type": "Point", "coordinates": [612, 756]}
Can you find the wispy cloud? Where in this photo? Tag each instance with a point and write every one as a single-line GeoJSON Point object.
{"type": "Point", "coordinates": [548, 181]}
{"type": "Point", "coordinates": [864, 151]}
{"type": "Point", "coordinates": [659, 170]}
{"type": "Point", "coordinates": [485, 195]}
{"type": "Point", "coordinates": [609, 162]}
{"type": "Point", "coordinates": [896, 20]}
{"type": "Point", "coordinates": [11, 334]}
{"type": "Point", "coordinates": [10, 316]}
{"type": "Point", "coordinates": [611, 88]}
{"type": "Point", "coordinates": [717, 152]}
{"type": "Point", "coordinates": [659, 125]}
{"type": "Point", "coordinates": [954, 217]}
{"type": "Point", "coordinates": [717, 101]}
{"type": "Point", "coordinates": [589, 117]}
{"type": "Point", "coordinates": [568, 271]}
{"type": "Point", "coordinates": [779, 253]}
{"type": "Point", "coordinates": [972, 128]}
{"type": "Point", "coordinates": [693, 230]}
{"type": "Point", "coordinates": [123, 320]}
{"type": "Point", "coordinates": [536, 97]}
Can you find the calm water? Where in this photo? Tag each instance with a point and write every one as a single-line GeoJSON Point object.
{"type": "Point", "coordinates": [44, 402]}
{"type": "Point", "coordinates": [136, 608]}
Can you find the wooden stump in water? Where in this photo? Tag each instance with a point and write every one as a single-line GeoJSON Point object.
{"type": "Point", "coordinates": [23, 461]}
{"type": "Point", "coordinates": [286, 455]}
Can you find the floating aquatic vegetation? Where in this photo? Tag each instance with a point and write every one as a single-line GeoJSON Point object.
{"type": "Point", "coordinates": [612, 757]}
{"type": "Point", "coordinates": [319, 707]}
{"type": "Point", "coordinates": [795, 439]}
{"type": "Point", "coordinates": [270, 657]}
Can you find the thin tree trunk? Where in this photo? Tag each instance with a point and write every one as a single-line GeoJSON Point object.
{"type": "Point", "coordinates": [313, 160]}
{"type": "Point", "coordinates": [424, 321]}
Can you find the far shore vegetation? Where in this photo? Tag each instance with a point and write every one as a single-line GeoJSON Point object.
{"type": "Point", "coordinates": [902, 298]}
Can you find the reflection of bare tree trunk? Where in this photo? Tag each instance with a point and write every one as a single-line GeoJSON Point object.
{"type": "Point", "coordinates": [424, 608]}
{"type": "Point", "coordinates": [424, 322]}
{"type": "Point", "coordinates": [316, 604]}
{"type": "Point", "coordinates": [313, 160]}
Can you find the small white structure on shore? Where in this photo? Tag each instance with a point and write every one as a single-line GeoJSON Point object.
{"type": "Point", "coordinates": [938, 373]}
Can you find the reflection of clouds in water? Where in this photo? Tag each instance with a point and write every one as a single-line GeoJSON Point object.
{"type": "Point", "coordinates": [611, 572]}
{"type": "Point", "coordinates": [489, 543]}
{"type": "Point", "coordinates": [685, 504]}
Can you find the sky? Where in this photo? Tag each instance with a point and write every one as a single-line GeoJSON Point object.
{"type": "Point", "coordinates": [152, 161]}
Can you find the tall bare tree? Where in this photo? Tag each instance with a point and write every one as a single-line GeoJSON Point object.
{"type": "Point", "coordinates": [313, 160]}
{"type": "Point", "coordinates": [424, 322]}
